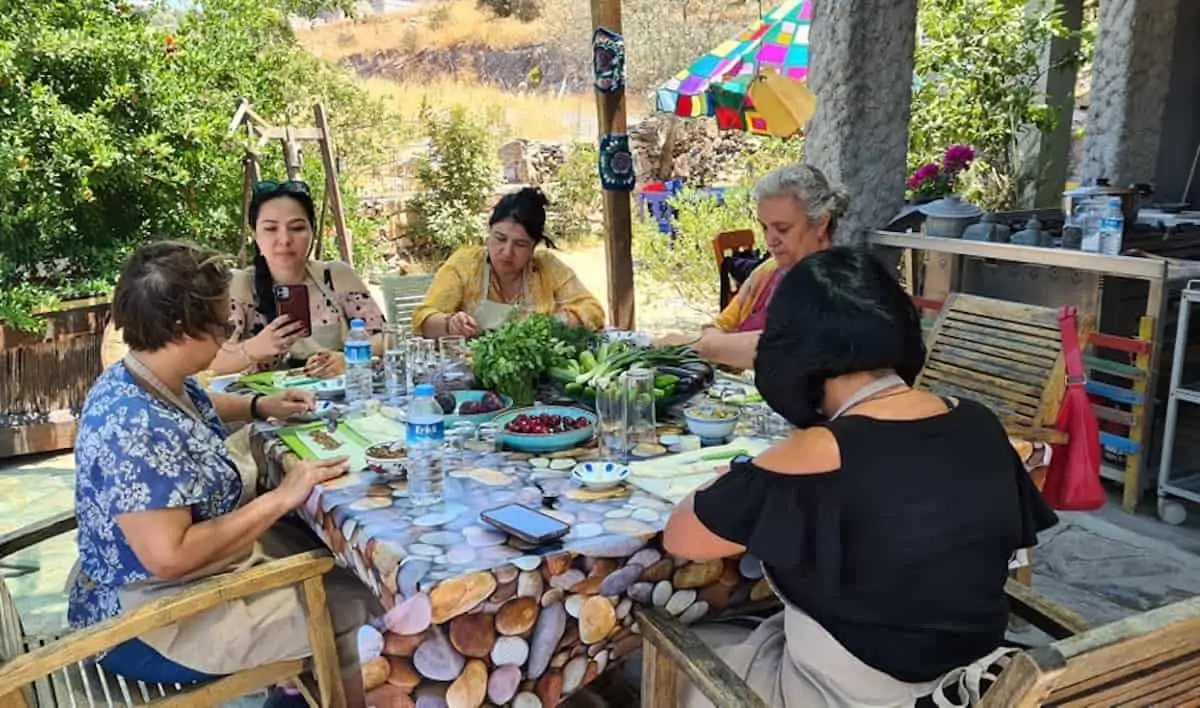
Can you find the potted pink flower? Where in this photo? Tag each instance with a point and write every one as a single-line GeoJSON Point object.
{"type": "Point", "coordinates": [935, 180]}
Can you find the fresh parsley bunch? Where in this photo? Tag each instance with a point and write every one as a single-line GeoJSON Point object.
{"type": "Point", "coordinates": [512, 358]}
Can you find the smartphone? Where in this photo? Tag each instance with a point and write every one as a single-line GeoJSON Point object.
{"type": "Point", "coordinates": [292, 300]}
{"type": "Point", "coordinates": [526, 524]}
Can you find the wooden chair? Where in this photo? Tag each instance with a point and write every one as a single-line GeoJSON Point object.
{"type": "Point", "coordinates": [55, 670]}
{"type": "Point", "coordinates": [670, 649]}
{"type": "Point", "coordinates": [402, 295]}
{"type": "Point", "coordinates": [1006, 355]}
{"type": "Point", "coordinates": [725, 244]}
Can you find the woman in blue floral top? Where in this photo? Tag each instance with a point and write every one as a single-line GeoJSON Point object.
{"type": "Point", "coordinates": [159, 500]}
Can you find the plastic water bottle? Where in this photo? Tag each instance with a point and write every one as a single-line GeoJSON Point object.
{"type": "Point", "coordinates": [425, 433]}
{"type": "Point", "coordinates": [359, 373]}
{"type": "Point", "coordinates": [1088, 218]}
{"type": "Point", "coordinates": [1112, 228]}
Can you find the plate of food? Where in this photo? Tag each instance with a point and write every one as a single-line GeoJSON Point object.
{"type": "Point", "coordinates": [387, 457]}
{"type": "Point", "coordinates": [546, 428]}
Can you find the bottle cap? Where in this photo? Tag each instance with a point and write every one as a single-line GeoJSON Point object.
{"type": "Point", "coordinates": [424, 390]}
{"type": "Point", "coordinates": [357, 323]}
{"type": "Point", "coordinates": [1114, 201]}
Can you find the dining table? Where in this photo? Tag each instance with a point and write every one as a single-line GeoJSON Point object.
{"type": "Point", "coordinates": [474, 617]}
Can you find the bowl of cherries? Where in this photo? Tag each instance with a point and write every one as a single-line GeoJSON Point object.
{"type": "Point", "coordinates": [546, 428]}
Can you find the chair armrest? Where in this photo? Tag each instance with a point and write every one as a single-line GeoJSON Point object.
{"type": "Point", "coordinates": [33, 534]}
{"type": "Point", "coordinates": [698, 662]}
{"type": "Point", "coordinates": [1043, 613]}
{"type": "Point", "coordinates": [190, 601]}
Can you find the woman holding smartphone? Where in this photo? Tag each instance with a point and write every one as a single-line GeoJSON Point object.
{"type": "Point", "coordinates": [285, 308]}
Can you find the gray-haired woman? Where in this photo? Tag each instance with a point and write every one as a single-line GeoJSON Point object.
{"type": "Point", "coordinates": [798, 210]}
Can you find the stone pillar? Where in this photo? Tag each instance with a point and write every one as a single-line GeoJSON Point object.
{"type": "Point", "coordinates": [1045, 157]}
{"type": "Point", "coordinates": [1130, 77]}
{"type": "Point", "coordinates": [861, 70]}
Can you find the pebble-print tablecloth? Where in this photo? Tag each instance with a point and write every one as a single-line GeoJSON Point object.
{"type": "Point", "coordinates": [471, 619]}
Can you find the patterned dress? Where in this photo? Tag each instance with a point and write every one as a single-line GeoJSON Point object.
{"type": "Point", "coordinates": [336, 295]}
{"type": "Point", "coordinates": [136, 453]}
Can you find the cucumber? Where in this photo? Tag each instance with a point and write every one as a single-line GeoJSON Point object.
{"type": "Point", "coordinates": [574, 388]}
{"type": "Point", "coordinates": [664, 380]}
{"type": "Point", "coordinates": [659, 393]}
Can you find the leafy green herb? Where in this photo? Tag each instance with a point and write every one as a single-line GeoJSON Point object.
{"type": "Point", "coordinates": [511, 358]}
{"type": "Point", "coordinates": [577, 337]}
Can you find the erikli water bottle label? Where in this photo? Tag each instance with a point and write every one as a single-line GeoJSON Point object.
{"type": "Point", "coordinates": [435, 432]}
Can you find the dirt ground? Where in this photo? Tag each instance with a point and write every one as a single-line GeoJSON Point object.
{"type": "Point", "coordinates": [657, 308]}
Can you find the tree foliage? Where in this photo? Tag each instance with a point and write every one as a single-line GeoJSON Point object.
{"type": "Point", "coordinates": [113, 131]}
{"type": "Point", "coordinates": [980, 68]}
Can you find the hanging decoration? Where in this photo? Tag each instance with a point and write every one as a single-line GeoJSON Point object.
{"type": "Point", "coordinates": [616, 163]}
{"type": "Point", "coordinates": [608, 60]}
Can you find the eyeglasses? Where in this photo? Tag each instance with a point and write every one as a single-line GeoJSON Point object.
{"type": "Point", "coordinates": [292, 186]}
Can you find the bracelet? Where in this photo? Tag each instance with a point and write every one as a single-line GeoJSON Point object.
{"type": "Point", "coordinates": [254, 407]}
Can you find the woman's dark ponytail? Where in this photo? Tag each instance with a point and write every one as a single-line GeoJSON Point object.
{"type": "Point", "coordinates": [264, 290]}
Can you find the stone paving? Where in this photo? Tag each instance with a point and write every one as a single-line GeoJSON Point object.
{"type": "Point", "coordinates": [1104, 565]}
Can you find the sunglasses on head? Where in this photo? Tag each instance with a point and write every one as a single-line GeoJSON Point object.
{"type": "Point", "coordinates": [292, 186]}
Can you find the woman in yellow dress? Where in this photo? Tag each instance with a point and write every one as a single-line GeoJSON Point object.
{"type": "Point", "coordinates": [481, 287]}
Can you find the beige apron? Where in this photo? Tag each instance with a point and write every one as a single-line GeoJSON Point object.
{"type": "Point", "coordinates": [489, 314]}
{"type": "Point", "coordinates": [793, 662]}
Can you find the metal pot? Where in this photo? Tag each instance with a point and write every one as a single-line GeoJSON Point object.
{"type": "Point", "coordinates": [948, 217]}
{"type": "Point", "coordinates": [1130, 198]}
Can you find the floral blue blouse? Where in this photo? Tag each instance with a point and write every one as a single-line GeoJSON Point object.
{"type": "Point", "coordinates": [137, 453]}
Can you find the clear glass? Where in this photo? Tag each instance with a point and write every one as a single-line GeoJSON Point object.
{"type": "Point", "coordinates": [422, 362]}
{"type": "Point", "coordinates": [395, 361]}
{"type": "Point", "coordinates": [639, 401]}
{"type": "Point", "coordinates": [459, 437]}
{"type": "Point", "coordinates": [612, 422]}
{"type": "Point", "coordinates": [453, 348]}
{"type": "Point", "coordinates": [488, 437]}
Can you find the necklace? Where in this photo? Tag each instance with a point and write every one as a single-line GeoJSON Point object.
{"type": "Point", "coordinates": [160, 389]}
{"type": "Point", "coordinates": [504, 296]}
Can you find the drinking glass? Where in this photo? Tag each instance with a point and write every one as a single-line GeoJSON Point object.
{"type": "Point", "coordinates": [612, 421]}
{"type": "Point", "coordinates": [453, 348]}
{"type": "Point", "coordinates": [488, 436]}
{"type": "Point", "coordinates": [459, 436]}
{"type": "Point", "coordinates": [422, 362]}
{"type": "Point", "coordinates": [395, 361]}
{"type": "Point", "coordinates": [639, 402]}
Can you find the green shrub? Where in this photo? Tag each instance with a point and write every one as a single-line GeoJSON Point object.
{"type": "Point", "coordinates": [113, 132]}
{"type": "Point", "coordinates": [574, 193]}
{"type": "Point", "coordinates": [685, 263]}
{"type": "Point", "coordinates": [457, 175]}
{"type": "Point", "coordinates": [980, 68]}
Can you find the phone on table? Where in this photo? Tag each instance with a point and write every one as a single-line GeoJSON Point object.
{"type": "Point", "coordinates": [526, 524]}
{"type": "Point", "coordinates": [292, 300]}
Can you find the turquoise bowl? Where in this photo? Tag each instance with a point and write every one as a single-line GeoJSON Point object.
{"type": "Point", "coordinates": [553, 442]}
{"type": "Point", "coordinates": [461, 397]}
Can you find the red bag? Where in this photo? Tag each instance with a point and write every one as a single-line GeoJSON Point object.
{"type": "Point", "coordinates": [1073, 480]}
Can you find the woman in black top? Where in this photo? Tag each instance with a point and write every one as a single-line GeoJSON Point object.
{"type": "Point", "coordinates": [885, 523]}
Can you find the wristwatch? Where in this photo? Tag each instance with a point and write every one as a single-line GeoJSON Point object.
{"type": "Point", "coordinates": [254, 407]}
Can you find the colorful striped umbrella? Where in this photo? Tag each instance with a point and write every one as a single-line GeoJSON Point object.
{"type": "Point", "coordinates": [717, 83]}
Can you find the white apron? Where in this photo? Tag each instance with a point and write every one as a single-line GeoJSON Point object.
{"type": "Point", "coordinates": [489, 314]}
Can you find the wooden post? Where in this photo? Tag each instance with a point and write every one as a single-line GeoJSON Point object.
{"type": "Point", "coordinates": [618, 213]}
{"type": "Point", "coordinates": [333, 188]}
{"type": "Point", "coordinates": [250, 177]}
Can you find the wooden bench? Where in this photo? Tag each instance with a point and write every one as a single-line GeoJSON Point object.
{"type": "Point", "coordinates": [55, 669]}
{"type": "Point", "coordinates": [1006, 355]}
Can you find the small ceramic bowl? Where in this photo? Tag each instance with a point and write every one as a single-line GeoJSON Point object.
{"type": "Point", "coordinates": [600, 475]}
{"type": "Point", "coordinates": [711, 421]}
{"type": "Point", "coordinates": [388, 457]}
